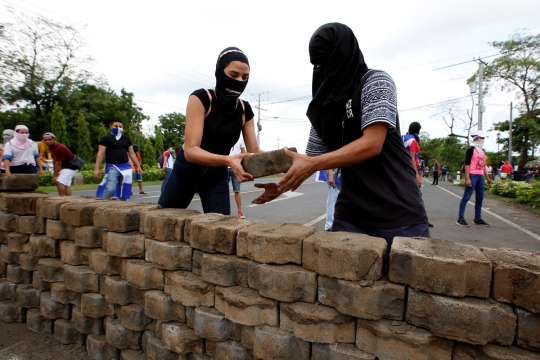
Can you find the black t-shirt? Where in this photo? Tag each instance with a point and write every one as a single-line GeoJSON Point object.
{"type": "Point", "coordinates": [221, 130]}
{"type": "Point", "coordinates": [117, 150]}
{"type": "Point", "coordinates": [381, 192]}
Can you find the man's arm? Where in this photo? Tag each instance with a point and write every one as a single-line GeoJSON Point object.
{"type": "Point", "coordinates": [331, 181]}
{"type": "Point", "coordinates": [412, 153]}
{"type": "Point", "coordinates": [99, 159]}
{"type": "Point", "coordinates": [133, 158]}
{"type": "Point", "coordinates": [165, 159]}
{"type": "Point", "coordinates": [57, 167]}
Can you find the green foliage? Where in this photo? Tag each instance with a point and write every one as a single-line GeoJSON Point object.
{"type": "Point", "coordinates": [158, 139]}
{"type": "Point", "coordinates": [58, 125]}
{"type": "Point", "coordinates": [529, 194]}
{"type": "Point", "coordinates": [152, 174]}
{"type": "Point", "coordinates": [84, 144]}
{"type": "Point", "coordinates": [149, 154]}
{"type": "Point", "coordinates": [449, 151]}
{"type": "Point", "coordinates": [88, 176]}
{"type": "Point", "coordinates": [508, 188]}
{"type": "Point", "coordinates": [173, 126]}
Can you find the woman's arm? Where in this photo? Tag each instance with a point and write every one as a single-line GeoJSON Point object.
{"type": "Point", "coordinates": [250, 139]}
{"type": "Point", "coordinates": [192, 144]}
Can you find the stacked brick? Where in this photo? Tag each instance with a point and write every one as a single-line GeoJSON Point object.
{"type": "Point", "coordinates": [131, 281]}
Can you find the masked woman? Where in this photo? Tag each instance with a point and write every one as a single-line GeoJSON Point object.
{"type": "Point", "coordinates": [214, 120]}
{"type": "Point", "coordinates": [6, 136]}
{"type": "Point", "coordinates": [21, 155]}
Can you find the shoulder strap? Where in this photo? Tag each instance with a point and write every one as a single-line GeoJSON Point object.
{"type": "Point", "coordinates": [210, 107]}
{"type": "Point", "coordinates": [243, 112]}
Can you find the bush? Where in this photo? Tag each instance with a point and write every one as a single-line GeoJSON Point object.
{"type": "Point", "coordinates": [529, 194]}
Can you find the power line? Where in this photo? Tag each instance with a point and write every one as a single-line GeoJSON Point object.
{"type": "Point", "coordinates": [434, 104]}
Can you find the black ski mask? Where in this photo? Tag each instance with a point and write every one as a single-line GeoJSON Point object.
{"type": "Point", "coordinates": [228, 90]}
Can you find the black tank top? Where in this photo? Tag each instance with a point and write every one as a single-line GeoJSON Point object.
{"type": "Point", "coordinates": [221, 130]}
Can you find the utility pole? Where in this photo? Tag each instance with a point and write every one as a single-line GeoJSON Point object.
{"type": "Point", "coordinates": [480, 91]}
{"type": "Point", "coordinates": [510, 137]}
{"type": "Point", "coordinates": [278, 143]}
{"type": "Point", "coordinates": [259, 122]}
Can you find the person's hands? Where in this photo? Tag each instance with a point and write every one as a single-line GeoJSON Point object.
{"type": "Point", "coordinates": [468, 183]}
{"type": "Point", "coordinates": [41, 173]}
{"type": "Point", "coordinates": [54, 178]}
{"type": "Point", "coordinates": [489, 181]}
{"type": "Point", "coordinates": [162, 169]}
{"type": "Point", "coordinates": [332, 183]}
{"type": "Point", "coordinates": [419, 180]}
{"type": "Point", "coordinates": [235, 163]}
{"type": "Point", "coordinates": [139, 171]}
{"type": "Point", "coordinates": [303, 167]}
{"type": "Point", "coordinates": [271, 192]}
{"type": "Point", "coordinates": [96, 173]}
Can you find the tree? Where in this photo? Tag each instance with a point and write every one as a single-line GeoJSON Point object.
{"type": "Point", "coordinates": [517, 70]}
{"type": "Point", "coordinates": [525, 136]}
{"type": "Point", "coordinates": [149, 153]}
{"type": "Point", "coordinates": [84, 143]}
{"type": "Point", "coordinates": [158, 139]}
{"type": "Point", "coordinates": [455, 116]}
{"type": "Point", "coordinates": [58, 125]}
{"type": "Point", "coordinates": [173, 126]}
{"type": "Point", "coordinates": [449, 151]}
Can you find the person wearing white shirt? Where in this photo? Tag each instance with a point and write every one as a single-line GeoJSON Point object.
{"type": "Point", "coordinates": [238, 148]}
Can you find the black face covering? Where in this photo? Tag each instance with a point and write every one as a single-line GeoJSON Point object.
{"type": "Point", "coordinates": [335, 48]}
{"type": "Point", "coordinates": [228, 90]}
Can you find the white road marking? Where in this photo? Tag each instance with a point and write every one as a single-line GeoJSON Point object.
{"type": "Point", "coordinates": [314, 221]}
{"type": "Point", "coordinates": [528, 232]}
{"type": "Point", "coordinates": [285, 196]}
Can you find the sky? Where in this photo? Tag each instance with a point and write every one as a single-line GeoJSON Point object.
{"type": "Point", "coordinates": [164, 50]}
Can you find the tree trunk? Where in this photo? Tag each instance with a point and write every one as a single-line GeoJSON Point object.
{"type": "Point", "coordinates": [523, 158]}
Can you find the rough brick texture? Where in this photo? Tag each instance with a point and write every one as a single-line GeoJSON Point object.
{"type": "Point", "coordinates": [215, 233]}
{"type": "Point", "coordinates": [268, 163]}
{"type": "Point", "coordinates": [19, 182]}
{"type": "Point", "coordinates": [165, 224]}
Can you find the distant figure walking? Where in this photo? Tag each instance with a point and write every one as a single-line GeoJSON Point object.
{"type": "Point", "coordinates": [436, 169]}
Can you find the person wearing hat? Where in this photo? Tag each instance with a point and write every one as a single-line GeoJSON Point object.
{"type": "Point", "coordinates": [62, 171]}
{"type": "Point", "coordinates": [21, 155]}
{"type": "Point", "coordinates": [475, 171]}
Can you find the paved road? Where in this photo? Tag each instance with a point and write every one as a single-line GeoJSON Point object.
{"type": "Point", "coordinates": [510, 226]}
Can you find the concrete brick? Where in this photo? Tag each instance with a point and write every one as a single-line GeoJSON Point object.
{"type": "Point", "coordinates": [225, 270]}
{"type": "Point", "coordinates": [118, 291]}
{"type": "Point", "coordinates": [343, 255]}
{"type": "Point", "coordinates": [128, 245]}
{"type": "Point", "coordinates": [20, 203]}
{"type": "Point", "coordinates": [211, 324]}
{"type": "Point", "coordinates": [38, 323]}
{"type": "Point", "coordinates": [130, 354]}
{"type": "Point", "coordinates": [88, 237]}
{"type": "Point", "coordinates": [39, 283]}
{"type": "Point", "coordinates": [132, 317]}
{"type": "Point", "coordinates": [268, 163]}
{"type": "Point", "coordinates": [98, 348]}
{"type": "Point", "coordinates": [11, 312]}
{"type": "Point", "coordinates": [154, 348]}
{"type": "Point", "coordinates": [72, 254]}
{"type": "Point", "coordinates": [168, 255]}
{"type": "Point", "coordinates": [52, 309]}
{"type": "Point", "coordinates": [122, 217]}
{"type": "Point", "coordinates": [26, 296]}
{"type": "Point", "coordinates": [190, 316]}
{"type": "Point", "coordinates": [28, 262]}
{"type": "Point", "coordinates": [81, 213]}
{"type": "Point", "coordinates": [49, 207]}
{"type": "Point", "coordinates": [273, 243]}
{"type": "Point", "coordinates": [441, 267]}
{"type": "Point", "coordinates": [32, 225]}
{"type": "Point", "coordinates": [51, 270]}
{"type": "Point", "coordinates": [86, 324]}
{"type": "Point", "coordinates": [165, 224]}
{"type": "Point", "coordinates": [283, 282]}
{"type": "Point", "coordinates": [8, 221]}
{"type": "Point", "coordinates": [66, 334]}
{"type": "Point", "coordinates": [120, 337]}
{"type": "Point", "coordinates": [160, 306]}
{"type": "Point", "coordinates": [232, 350]}
{"type": "Point", "coordinates": [143, 275]}
{"type": "Point", "coordinates": [17, 242]}
{"type": "Point", "coordinates": [43, 246]}
{"type": "Point", "coordinates": [516, 277]}
{"type": "Point", "coordinates": [3, 236]}
{"type": "Point", "coordinates": [58, 230]}
{"type": "Point", "coordinates": [245, 306]}
{"type": "Point", "coordinates": [196, 262]}
{"type": "Point", "coordinates": [271, 343]}
{"type": "Point", "coordinates": [189, 289]}
{"type": "Point", "coordinates": [3, 268]}
{"type": "Point", "coordinates": [492, 352]}
{"type": "Point", "coordinates": [316, 323]}
{"type": "Point", "coordinates": [193, 356]}
{"type": "Point", "coordinates": [181, 339]}
{"type": "Point", "coordinates": [215, 233]}
{"type": "Point", "coordinates": [470, 320]}
{"type": "Point", "coordinates": [210, 348]}
{"type": "Point", "coordinates": [81, 279]}
{"type": "Point", "coordinates": [364, 299]}
{"type": "Point", "coordinates": [8, 256]}
{"type": "Point", "coordinates": [7, 290]}
{"type": "Point", "coordinates": [16, 274]}
{"type": "Point", "coordinates": [528, 329]}
{"type": "Point", "coordinates": [339, 352]}
{"type": "Point", "coordinates": [19, 182]}
{"type": "Point", "coordinates": [248, 336]}
{"type": "Point", "coordinates": [95, 306]}
{"type": "Point", "coordinates": [103, 263]}
{"type": "Point", "coordinates": [398, 340]}
{"type": "Point", "coordinates": [60, 293]}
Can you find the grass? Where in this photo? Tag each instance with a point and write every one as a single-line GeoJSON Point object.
{"type": "Point", "coordinates": [53, 189]}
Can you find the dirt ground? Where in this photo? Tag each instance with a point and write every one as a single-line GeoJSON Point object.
{"type": "Point", "coordinates": [19, 343]}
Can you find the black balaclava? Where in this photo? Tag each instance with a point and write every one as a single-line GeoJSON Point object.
{"type": "Point", "coordinates": [335, 48]}
{"type": "Point", "coordinates": [228, 90]}
{"type": "Point", "coordinates": [414, 129]}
